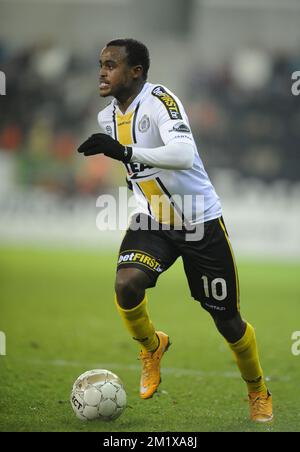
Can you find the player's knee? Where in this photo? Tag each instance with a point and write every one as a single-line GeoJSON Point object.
{"type": "Point", "coordinates": [130, 287]}
{"type": "Point", "coordinates": [125, 285]}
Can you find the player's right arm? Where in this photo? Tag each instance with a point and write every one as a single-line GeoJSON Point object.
{"type": "Point", "coordinates": [178, 151]}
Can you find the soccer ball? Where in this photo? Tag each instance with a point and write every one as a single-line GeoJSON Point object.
{"type": "Point", "coordinates": [98, 394]}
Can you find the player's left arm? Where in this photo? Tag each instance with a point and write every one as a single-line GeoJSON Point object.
{"type": "Point", "coordinates": [174, 155]}
{"type": "Point", "coordinates": [178, 151]}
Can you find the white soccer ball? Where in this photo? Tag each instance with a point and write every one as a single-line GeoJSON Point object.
{"type": "Point", "coordinates": [98, 394]}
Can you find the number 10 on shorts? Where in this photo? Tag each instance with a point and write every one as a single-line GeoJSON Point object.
{"type": "Point", "coordinates": [217, 288]}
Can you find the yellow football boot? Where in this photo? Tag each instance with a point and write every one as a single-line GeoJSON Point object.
{"type": "Point", "coordinates": [150, 378]}
{"type": "Point", "coordinates": [260, 404]}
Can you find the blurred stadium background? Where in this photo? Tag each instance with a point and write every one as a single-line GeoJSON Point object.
{"type": "Point", "coordinates": [229, 61]}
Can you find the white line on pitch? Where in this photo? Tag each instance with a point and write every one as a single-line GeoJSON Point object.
{"type": "Point", "coordinates": [177, 372]}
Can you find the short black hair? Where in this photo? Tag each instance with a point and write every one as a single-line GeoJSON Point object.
{"type": "Point", "coordinates": [137, 53]}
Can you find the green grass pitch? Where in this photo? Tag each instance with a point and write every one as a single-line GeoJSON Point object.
{"type": "Point", "coordinates": [57, 311]}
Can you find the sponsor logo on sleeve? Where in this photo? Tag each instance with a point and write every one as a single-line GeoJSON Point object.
{"type": "Point", "coordinates": [181, 127]}
{"type": "Point", "coordinates": [186, 137]}
{"type": "Point", "coordinates": [168, 101]}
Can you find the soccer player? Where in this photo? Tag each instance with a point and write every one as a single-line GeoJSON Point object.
{"type": "Point", "coordinates": [147, 129]}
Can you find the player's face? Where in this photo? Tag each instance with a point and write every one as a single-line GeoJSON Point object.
{"type": "Point", "coordinates": [115, 76]}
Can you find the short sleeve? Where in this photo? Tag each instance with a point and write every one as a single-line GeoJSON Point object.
{"type": "Point", "coordinates": [171, 118]}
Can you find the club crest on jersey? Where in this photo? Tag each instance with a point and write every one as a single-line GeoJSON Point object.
{"type": "Point", "coordinates": [181, 127]}
{"type": "Point", "coordinates": [108, 130]}
{"type": "Point", "coordinates": [144, 124]}
{"type": "Point", "coordinates": [168, 101]}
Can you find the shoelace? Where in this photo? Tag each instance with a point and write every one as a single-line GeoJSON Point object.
{"type": "Point", "coordinates": [147, 361]}
{"type": "Point", "coordinates": [258, 404]}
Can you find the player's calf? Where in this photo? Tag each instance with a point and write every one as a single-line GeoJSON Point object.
{"type": "Point", "coordinates": [131, 302]}
{"type": "Point", "coordinates": [231, 329]}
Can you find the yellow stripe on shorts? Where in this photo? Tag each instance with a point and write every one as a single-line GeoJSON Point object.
{"type": "Point", "coordinates": [234, 264]}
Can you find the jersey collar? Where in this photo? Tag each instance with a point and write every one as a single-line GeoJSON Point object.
{"type": "Point", "coordinates": [136, 100]}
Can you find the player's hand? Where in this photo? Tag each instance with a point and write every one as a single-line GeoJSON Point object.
{"type": "Point", "coordinates": [100, 143]}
